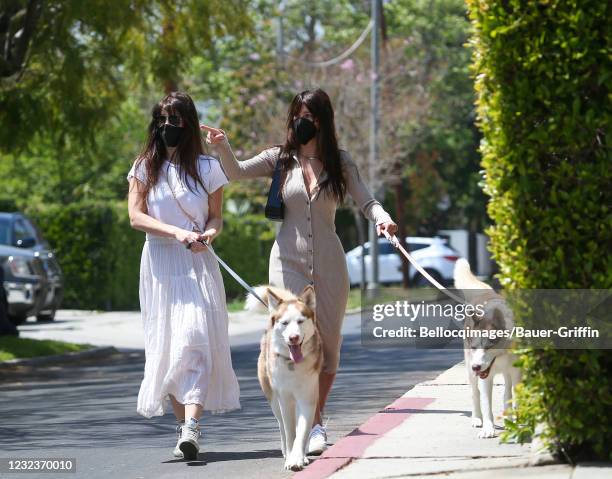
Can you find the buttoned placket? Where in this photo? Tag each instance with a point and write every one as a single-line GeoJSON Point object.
{"type": "Point", "coordinates": [310, 238]}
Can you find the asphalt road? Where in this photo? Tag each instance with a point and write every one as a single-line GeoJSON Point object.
{"type": "Point", "coordinates": [87, 412]}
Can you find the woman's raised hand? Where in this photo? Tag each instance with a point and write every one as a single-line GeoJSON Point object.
{"type": "Point", "coordinates": [214, 136]}
{"type": "Point", "coordinates": [390, 227]}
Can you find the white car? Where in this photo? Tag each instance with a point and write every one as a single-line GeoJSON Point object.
{"type": "Point", "coordinates": [433, 254]}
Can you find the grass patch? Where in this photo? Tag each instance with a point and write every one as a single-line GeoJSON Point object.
{"type": "Point", "coordinates": [19, 348]}
{"type": "Point", "coordinates": [390, 294]}
{"type": "Point", "coordinates": [385, 294]}
{"type": "Point", "coordinates": [235, 305]}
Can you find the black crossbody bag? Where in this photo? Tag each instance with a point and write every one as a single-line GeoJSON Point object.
{"type": "Point", "coordinates": [275, 208]}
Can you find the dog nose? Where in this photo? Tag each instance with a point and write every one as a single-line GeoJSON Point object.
{"type": "Point", "coordinates": [294, 339]}
{"type": "Point", "coordinates": [476, 367]}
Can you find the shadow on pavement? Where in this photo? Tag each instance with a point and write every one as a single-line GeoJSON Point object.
{"type": "Point", "coordinates": [93, 404]}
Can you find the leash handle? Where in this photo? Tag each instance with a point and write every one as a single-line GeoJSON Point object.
{"type": "Point", "coordinates": [395, 242]}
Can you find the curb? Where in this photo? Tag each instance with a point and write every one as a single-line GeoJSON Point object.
{"type": "Point", "coordinates": [97, 352]}
{"type": "Point", "coordinates": [343, 452]}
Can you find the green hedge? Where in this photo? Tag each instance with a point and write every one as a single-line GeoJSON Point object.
{"type": "Point", "coordinates": [99, 252]}
{"type": "Point", "coordinates": [542, 74]}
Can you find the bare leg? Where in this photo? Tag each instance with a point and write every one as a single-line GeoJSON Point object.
{"type": "Point", "coordinates": [178, 408]}
{"type": "Point", "coordinates": [193, 410]}
{"type": "Point", "coordinates": [326, 380]}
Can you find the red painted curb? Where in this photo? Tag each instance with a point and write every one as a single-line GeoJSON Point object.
{"type": "Point", "coordinates": [357, 441]}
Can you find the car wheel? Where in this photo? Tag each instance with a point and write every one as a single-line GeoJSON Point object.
{"type": "Point", "coordinates": [420, 280]}
{"type": "Point", "coordinates": [18, 319]}
{"type": "Point", "coordinates": [45, 318]}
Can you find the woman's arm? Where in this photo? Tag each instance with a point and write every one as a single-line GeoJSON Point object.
{"type": "Point", "coordinates": [140, 219]}
{"type": "Point", "coordinates": [261, 165]}
{"type": "Point", "coordinates": [371, 208]}
{"type": "Point", "coordinates": [214, 225]}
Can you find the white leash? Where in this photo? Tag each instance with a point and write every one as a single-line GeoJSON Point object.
{"type": "Point", "coordinates": [395, 242]}
{"type": "Point", "coordinates": [235, 275]}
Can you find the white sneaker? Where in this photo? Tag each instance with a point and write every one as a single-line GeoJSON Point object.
{"type": "Point", "coordinates": [177, 452]}
{"type": "Point", "coordinates": [188, 443]}
{"type": "Point", "coordinates": [317, 442]}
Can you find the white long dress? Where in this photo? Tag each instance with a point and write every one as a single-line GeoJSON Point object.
{"type": "Point", "coordinates": [182, 302]}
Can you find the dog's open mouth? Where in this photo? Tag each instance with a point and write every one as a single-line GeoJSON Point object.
{"type": "Point", "coordinates": [485, 374]}
{"type": "Point", "coordinates": [295, 352]}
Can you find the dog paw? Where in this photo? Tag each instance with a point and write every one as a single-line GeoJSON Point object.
{"type": "Point", "coordinates": [296, 463]}
{"type": "Point", "coordinates": [488, 431]}
{"type": "Point", "coordinates": [476, 422]}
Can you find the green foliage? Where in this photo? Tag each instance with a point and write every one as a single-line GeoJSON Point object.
{"type": "Point", "coordinates": [446, 160]}
{"type": "Point", "coordinates": [81, 235]}
{"type": "Point", "coordinates": [99, 252]}
{"type": "Point", "coordinates": [542, 78]}
{"type": "Point", "coordinates": [244, 244]}
{"type": "Point", "coordinates": [83, 56]}
{"type": "Point", "coordinates": [19, 348]}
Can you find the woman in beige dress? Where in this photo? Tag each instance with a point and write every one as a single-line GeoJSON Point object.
{"type": "Point", "coordinates": [316, 176]}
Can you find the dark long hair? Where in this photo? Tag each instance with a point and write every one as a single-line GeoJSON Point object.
{"type": "Point", "coordinates": [187, 151]}
{"type": "Point", "coordinates": [319, 104]}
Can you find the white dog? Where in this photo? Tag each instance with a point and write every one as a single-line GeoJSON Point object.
{"type": "Point", "coordinates": [289, 364]}
{"type": "Point", "coordinates": [486, 356]}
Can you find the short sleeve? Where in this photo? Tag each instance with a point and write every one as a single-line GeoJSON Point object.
{"type": "Point", "coordinates": [212, 174]}
{"type": "Point", "coordinates": [138, 172]}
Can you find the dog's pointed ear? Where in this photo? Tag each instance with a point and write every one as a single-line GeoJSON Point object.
{"type": "Point", "coordinates": [273, 300]}
{"type": "Point", "coordinates": [498, 318]}
{"type": "Point", "coordinates": [307, 296]}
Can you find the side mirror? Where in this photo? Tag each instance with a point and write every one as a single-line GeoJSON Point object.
{"type": "Point", "coordinates": [28, 242]}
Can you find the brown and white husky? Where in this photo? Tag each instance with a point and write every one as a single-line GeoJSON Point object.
{"type": "Point", "coordinates": [289, 364]}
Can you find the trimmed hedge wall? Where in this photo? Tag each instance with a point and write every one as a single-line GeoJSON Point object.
{"type": "Point", "coordinates": [542, 74]}
{"type": "Point", "coordinates": [99, 252]}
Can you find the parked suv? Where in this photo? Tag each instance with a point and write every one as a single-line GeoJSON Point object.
{"type": "Point", "coordinates": [433, 254]}
{"type": "Point", "coordinates": [32, 277]}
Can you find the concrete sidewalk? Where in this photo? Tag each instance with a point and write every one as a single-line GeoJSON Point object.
{"type": "Point", "coordinates": [427, 432]}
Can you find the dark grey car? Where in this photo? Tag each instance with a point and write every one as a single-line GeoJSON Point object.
{"type": "Point", "coordinates": [32, 277]}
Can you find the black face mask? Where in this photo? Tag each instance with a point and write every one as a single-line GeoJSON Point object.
{"type": "Point", "coordinates": [171, 135]}
{"type": "Point", "coordinates": [305, 130]}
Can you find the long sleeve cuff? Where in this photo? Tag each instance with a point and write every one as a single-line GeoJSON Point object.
{"type": "Point", "coordinates": [374, 211]}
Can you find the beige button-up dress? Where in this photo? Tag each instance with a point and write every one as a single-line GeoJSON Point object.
{"type": "Point", "coordinates": [307, 249]}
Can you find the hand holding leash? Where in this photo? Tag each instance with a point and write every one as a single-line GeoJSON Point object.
{"type": "Point", "coordinates": [395, 242]}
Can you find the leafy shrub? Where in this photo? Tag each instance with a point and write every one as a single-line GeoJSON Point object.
{"type": "Point", "coordinates": [99, 252]}
{"type": "Point", "coordinates": [542, 73]}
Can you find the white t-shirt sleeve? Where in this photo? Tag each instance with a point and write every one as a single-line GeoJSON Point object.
{"type": "Point", "coordinates": [212, 174]}
{"type": "Point", "coordinates": [138, 173]}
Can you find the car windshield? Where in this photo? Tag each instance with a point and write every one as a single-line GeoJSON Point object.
{"type": "Point", "coordinates": [5, 231]}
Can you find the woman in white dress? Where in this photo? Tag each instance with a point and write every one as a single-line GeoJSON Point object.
{"type": "Point", "coordinates": [175, 196]}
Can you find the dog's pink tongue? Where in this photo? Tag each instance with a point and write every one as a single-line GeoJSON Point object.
{"type": "Point", "coordinates": [295, 351]}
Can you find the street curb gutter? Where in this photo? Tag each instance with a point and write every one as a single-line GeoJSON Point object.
{"type": "Point", "coordinates": [93, 353]}
{"type": "Point", "coordinates": [357, 441]}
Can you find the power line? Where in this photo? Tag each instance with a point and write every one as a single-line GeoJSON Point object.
{"type": "Point", "coordinates": [344, 54]}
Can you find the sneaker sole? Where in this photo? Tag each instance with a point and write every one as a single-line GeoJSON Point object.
{"type": "Point", "coordinates": [190, 452]}
{"type": "Point", "coordinates": [316, 452]}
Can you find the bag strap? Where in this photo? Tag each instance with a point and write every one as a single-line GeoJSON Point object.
{"type": "Point", "coordinates": [189, 217]}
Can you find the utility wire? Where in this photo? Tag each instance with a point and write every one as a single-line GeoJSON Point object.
{"type": "Point", "coordinates": [344, 54]}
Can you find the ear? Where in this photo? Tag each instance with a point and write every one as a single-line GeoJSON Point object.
{"type": "Point", "coordinates": [273, 300]}
{"type": "Point", "coordinates": [307, 296]}
{"type": "Point", "coordinates": [498, 318]}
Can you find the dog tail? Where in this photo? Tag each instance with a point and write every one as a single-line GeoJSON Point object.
{"type": "Point", "coordinates": [253, 304]}
{"type": "Point", "coordinates": [464, 278]}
